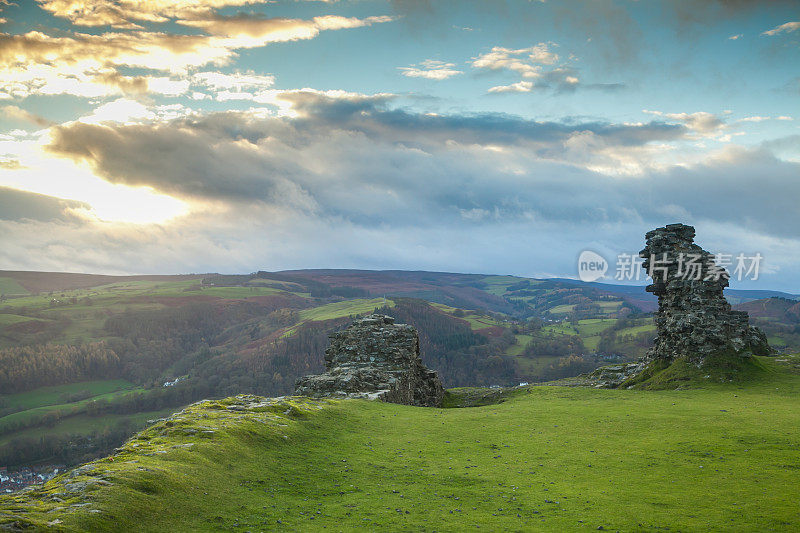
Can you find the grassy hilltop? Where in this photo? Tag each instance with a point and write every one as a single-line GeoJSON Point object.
{"type": "Point", "coordinates": [714, 457]}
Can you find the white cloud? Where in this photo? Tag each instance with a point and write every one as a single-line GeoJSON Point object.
{"type": "Point", "coordinates": [519, 87]}
{"type": "Point", "coordinates": [525, 61]}
{"type": "Point", "coordinates": [701, 122]}
{"type": "Point", "coordinates": [537, 67]}
{"type": "Point", "coordinates": [755, 118]}
{"type": "Point", "coordinates": [735, 37]}
{"type": "Point", "coordinates": [89, 65]}
{"type": "Point", "coordinates": [127, 13]}
{"type": "Point", "coordinates": [167, 86]}
{"type": "Point", "coordinates": [783, 28]}
{"type": "Point", "coordinates": [251, 31]}
{"type": "Point", "coordinates": [431, 69]}
{"type": "Point", "coordinates": [235, 81]}
{"type": "Point", "coordinates": [122, 110]}
{"type": "Point", "coordinates": [17, 113]}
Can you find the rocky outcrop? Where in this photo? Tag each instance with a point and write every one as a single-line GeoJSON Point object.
{"type": "Point", "coordinates": [693, 320]}
{"type": "Point", "coordinates": [375, 359]}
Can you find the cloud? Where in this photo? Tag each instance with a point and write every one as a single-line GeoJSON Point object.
{"type": "Point", "coordinates": [234, 86]}
{"type": "Point", "coordinates": [121, 110]}
{"type": "Point", "coordinates": [14, 112]}
{"type": "Point", "coordinates": [91, 65]}
{"type": "Point", "coordinates": [788, 27]}
{"type": "Point", "coordinates": [351, 182]}
{"type": "Point", "coordinates": [431, 69]}
{"type": "Point", "coordinates": [755, 118]}
{"type": "Point", "coordinates": [307, 159]}
{"type": "Point", "coordinates": [537, 65]}
{"type": "Point", "coordinates": [251, 30]}
{"type": "Point", "coordinates": [525, 61]}
{"type": "Point", "coordinates": [735, 37]}
{"type": "Point", "coordinates": [519, 87]}
{"type": "Point", "coordinates": [9, 163]}
{"type": "Point", "coordinates": [348, 180]}
{"type": "Point", "coordinates": [87, 65]}
{"type": "Point", "coordinates": [21, 205]}
{"type": "Point", "coordinates": [701, 122]}
{"type": "Point", "coordinates": [126, 13]}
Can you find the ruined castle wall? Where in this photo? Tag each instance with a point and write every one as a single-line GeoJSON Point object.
{"type": "Point", "coordinates": [377, 359]}
{"type": "Point", "coordinates": [694, 319]}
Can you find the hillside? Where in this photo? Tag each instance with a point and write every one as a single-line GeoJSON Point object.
{"type": "Point", "coordinates": [779, 318]}
{"type": "Point", "coordinates": [717, 457]}
{"type": "Point", "coordinates": [97, 351]}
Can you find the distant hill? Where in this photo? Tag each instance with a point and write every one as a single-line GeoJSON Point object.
{"type": "Point", "coordinates": [779, 318]}
{"type": "Point", "coordinates": [36, 282]}
{"type": "Point", "coordinates": [773, 308]}
{"type": "Point", "coordinates": [637, 295]}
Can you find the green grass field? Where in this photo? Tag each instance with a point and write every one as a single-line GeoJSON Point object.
{"type": "Point", "coordinates": [358, 306]}
{"type": "Point", "coordinates": [636, 330]}
{"type": "Point", "coordinates": [343, 309]}
{"type": "Point", "coordinates": [86, 310]}
{"type": "Point", "coordinates": [10, 287]}
{"type": "Point", "coordinates": [37, 403]}
{"type": "Point", "coordinates": [535, 366]}
{"type": "Point", "coordinates": [776, 341]}
{"type": "Point", "coordinates": [476, 321]}
{"type": "Point", "coordinates": [497, 284]}
{"type": "Point", "coordinates": [83, 424]}
{"type": "Point", "coordinates": [7, 319]}
{"type": "Point", "coordinates": [131, 292]}
{"type": "Point", "coordinates": [593, 326]}
{"type": "Point", "coordinates": [713, 458]}
{"type": "Point", "coordinates": [45, 396]}
{"type": "Point", "coordinates": [588, 329]}
{"type": "Point", "coordinates": [564, 328]}
{"type": "Point", "coordinates": [519, 347]}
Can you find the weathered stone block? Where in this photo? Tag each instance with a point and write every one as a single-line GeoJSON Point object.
{"type": "Point", "coordinates": [376, 359]}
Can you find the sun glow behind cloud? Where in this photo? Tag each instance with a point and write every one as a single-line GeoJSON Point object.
{"type": "Point", "coordinates": [41, 173]}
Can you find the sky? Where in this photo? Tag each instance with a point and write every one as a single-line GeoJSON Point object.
{"type": "Point", "coordinates": [498, 137]}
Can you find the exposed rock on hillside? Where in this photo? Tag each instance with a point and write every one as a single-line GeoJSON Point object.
{"type": "Point", "coordinates": [693, 320]}
{"type": "Point", "coordinates": [376, 359]}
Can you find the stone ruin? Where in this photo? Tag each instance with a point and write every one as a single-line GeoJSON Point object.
{"type": "Point", "coordinates": [375, 358]}
{"type": "Point", "coordinates": [693, 320]}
